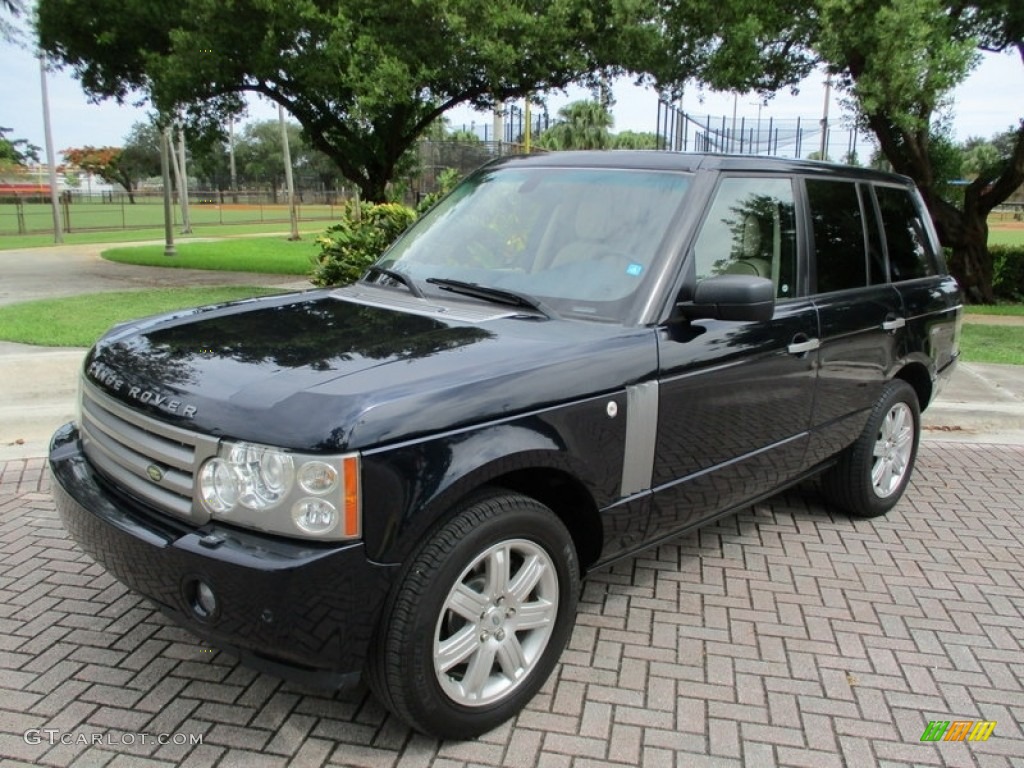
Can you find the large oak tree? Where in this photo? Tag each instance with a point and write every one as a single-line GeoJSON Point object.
{"type": "Point", "coordinates": [363, 77]}
{"type": "Point", "coordinates": [895, 60]}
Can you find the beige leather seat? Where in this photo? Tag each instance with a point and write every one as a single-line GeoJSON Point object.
{"type": "Point", "coordinates": [748, 254]}
{"type": "Point", "coordinates": [594, 229]}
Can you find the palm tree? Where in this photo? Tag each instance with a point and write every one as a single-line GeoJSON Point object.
{"type": "Point", "coordinates": [581, 125]}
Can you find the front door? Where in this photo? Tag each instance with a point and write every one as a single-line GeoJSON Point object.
{"type": "Point", "coordinates": [735, 398]}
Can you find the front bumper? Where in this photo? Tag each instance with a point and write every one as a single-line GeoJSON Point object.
{"type": "Point", "coordinates": [302, 611]}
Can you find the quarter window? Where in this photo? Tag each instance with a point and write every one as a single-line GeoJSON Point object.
{"type": "Point", "coordinates": [750, 230]}
{"type": "Point", "coordinates": [904, 235]}
{"type": "Point", "coordinates": [837, 222]}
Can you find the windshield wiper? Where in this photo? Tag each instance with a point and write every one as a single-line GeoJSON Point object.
{"type": "Point", "coordinates": [398, 277]}
{"type": "Point", "coordinates": [496, 295]}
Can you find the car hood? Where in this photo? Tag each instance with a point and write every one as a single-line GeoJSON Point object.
{"type": "Point", "coordinates": [327, 372]}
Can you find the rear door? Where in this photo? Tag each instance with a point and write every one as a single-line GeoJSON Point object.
{"type": "Point", "coordinates": [860, 312]}
{"type": "Point", "coordinates": [930, 298]}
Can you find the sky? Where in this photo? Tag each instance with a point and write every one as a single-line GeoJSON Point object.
{"type": "Point", "coordinates": [983, 105]}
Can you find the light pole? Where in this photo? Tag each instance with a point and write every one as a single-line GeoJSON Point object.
{"type": "Point", "coordinates": [292, 213]}
{"type": "Point", "coordinates": [824, 119]}
{"type": "Point", "coordinates": [165, 171]}
{"type": "Point", "coordinates": [58, 233]}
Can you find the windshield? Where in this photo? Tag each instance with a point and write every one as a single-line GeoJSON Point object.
{"type": "Point", "coordinates": [581, 240]}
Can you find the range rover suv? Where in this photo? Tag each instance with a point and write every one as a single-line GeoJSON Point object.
{"type": "Point", "coordinates": [571, 358]}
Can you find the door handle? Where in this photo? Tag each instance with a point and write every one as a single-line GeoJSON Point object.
{"type": "Point", "coordinates": [802, 346]}
{"type": "Point", "coordinates": [894, 323]}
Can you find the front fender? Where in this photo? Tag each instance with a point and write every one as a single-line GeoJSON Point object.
{"type": "Point", "coordinates": [409, 488]}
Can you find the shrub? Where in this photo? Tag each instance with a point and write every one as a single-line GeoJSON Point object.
{"type": "Point", "coordinates": [446, 181]}
{"type": "Point", "coordinates": [1008, 271]}
{"type": "Point", "coordinates": [363, 234]}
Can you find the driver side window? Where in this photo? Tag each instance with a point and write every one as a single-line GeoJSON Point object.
{"type": "Point", "coordinates": [750, 230]}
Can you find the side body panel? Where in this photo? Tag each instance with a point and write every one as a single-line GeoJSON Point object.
{"type": "Point", "coordinates": [734, 412]}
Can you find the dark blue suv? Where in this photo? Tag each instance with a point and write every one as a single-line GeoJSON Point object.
{"type": "Point", "coordinates": [571, 358]}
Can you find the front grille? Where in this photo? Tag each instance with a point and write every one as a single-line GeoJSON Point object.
{"type": "Point", "coordinates": [153, 461]}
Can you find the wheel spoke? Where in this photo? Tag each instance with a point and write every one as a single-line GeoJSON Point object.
{"type": "Point", "coordinates": [539, 613]}
{"type": "Point", "coordinates": [897, 418]}
{"type": "Point", "coordinates": [479, 672]}
{"type": "Point", "coordinates": [498, 572]}
{"type": "Point", "coordinates": [467, 603]}
{"type": "Point", "coordinates": [526, 579]}
{"type": "Point", "coordinates": [877, 472]}
{"type": "Point", "coordinates": [512, 658]}
{"type": "Point", "coordinates": [904, 438]}
{"type": "Point", "coordinates": [457, 648]}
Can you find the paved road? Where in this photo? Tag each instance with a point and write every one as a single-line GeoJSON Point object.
{"type": "Point", "coordinates": [785, 636]}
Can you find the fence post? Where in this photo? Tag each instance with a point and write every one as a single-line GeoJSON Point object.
{"type": "Point", "coordinates": [64, 200]}
{"type": "Point", "coordinates": [19, 209]}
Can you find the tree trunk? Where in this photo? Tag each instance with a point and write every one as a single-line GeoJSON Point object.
{"type": "Point", "coordinates": [971, 262]}
{"type": "Point", "coordinates": [372, 190]}
{"type": "Point", "coordinates": [965, 232]}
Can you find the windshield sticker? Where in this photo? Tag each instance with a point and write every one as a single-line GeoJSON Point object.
{"type": "Point", "coordinates": [634, 269]}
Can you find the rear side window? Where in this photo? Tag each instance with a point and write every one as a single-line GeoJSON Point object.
{"type": "Point", "coordinates": [837, 223]}
{"type": "Point", "coordinates": [905, 237]}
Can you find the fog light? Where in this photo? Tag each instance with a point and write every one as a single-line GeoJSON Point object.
{"type": "Point", "coordinates": [202, 600]}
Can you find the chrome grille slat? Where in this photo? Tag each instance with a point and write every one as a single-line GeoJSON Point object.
{"type": "Point", "coordinates": [127, 446]}
{"type": "Point", "coordinates": [166, 500]}
{"type": "Point", "coordinates": [173, 480]}
{"type": "Point", "coordinates": [139, 440]}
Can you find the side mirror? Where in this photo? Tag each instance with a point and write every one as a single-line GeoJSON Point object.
{"type": "Point", "coordinates": [731, 297]}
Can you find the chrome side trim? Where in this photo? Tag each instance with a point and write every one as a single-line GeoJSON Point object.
{"type": "Point", "coordinates": [641, 436]}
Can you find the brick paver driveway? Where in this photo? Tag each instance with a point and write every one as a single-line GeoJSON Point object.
{"type": "Point", "coordinates": [783, 636]}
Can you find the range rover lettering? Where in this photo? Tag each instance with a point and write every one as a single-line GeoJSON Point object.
{"type": "Point", "coordinates": [572, 357]}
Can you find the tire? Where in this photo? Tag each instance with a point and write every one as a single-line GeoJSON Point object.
{"type": "Point", "coordinates": [462, 648]}
{"type": "Point", "coordinates": [872, 474]}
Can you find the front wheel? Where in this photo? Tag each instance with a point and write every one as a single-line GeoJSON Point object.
{"type": "Point", "coordinates": [872, 474]}
{"type": "Point", "coordinates": [479, 619]}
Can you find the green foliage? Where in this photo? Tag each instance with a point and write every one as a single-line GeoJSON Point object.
{"type": "Point", "coordinates": [636, 140]}
{"type": "Point", "coordinates": [16, 151]}
{"type": "Point", "coordinates": [140, 156]}
{"type": "Point", "coordinates": [364, 79]}
{"type": "Point", "coordinates": [364, 233]}
{"type": "Point", "coordinates": [1008, 271]}
{"type": "Point", "coordinates": [446, 181]}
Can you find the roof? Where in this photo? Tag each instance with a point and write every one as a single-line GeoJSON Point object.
{"type": "Point", "coordinates": [693, 161]}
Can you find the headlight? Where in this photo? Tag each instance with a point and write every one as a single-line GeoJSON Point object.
{"type": "Point", "coordinates": [258, 486]}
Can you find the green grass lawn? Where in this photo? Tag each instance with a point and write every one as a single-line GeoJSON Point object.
{"type": "Point", "coordinates": [78, 321]}
{"type": "Point", "coordinates": [273, 255]}
{"type": "Point", "coordinates": [149, 212]}
{"type": "Point", "coordinates": [993, 344]}
{"type": "Point", "coordinates": [1006, 236]}
{"type": "Point", "coordinates": [994, 309]}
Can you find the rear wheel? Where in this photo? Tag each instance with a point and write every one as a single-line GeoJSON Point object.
{"type": "Point", "coordinates": [872, 474]}
{"type": "Point", "coordinates": [479, 618]}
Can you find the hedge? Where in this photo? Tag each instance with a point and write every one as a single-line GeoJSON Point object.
{"type": "Point", "coordinates": [1008, 271]}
